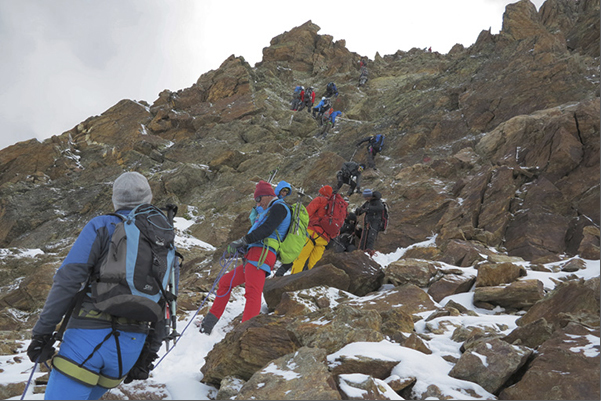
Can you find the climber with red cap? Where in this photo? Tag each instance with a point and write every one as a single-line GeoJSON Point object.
{"type": "Point", "coordinates": [259, 248]}
{"type": "Point", "coordinates": [318, 235]}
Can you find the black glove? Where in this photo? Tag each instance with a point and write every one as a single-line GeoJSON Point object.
{"type": "Point", "coordinates": [142, 367]}
{"type": "Point", "coordinates": [41, 349]}
{"type": "Point", "coordinates": [235, 245]}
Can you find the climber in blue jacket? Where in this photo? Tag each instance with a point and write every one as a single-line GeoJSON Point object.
{"type": "Point", "coordinates": [80, 371]}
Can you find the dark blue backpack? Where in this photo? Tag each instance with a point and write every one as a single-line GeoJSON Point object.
{"type": "Point", "coordinates": [378, 143]}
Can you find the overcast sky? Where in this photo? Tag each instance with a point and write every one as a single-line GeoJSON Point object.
{"type": "Point", "coordinates": [62, 61]}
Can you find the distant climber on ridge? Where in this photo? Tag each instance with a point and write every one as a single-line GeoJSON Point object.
{"type": "Point", "coordinates": [364, 73]}
{"type": "Point", "coordinates": [308, 99]}
{"type": "Point", "coordinates": [331, 90]}
{"type": "Point", "coordinates": [297, 97]}
{"type": "Point", "coordinates": [323, 106]}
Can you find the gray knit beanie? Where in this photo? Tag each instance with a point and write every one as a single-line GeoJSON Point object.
{"type": "Point", "coordinates": [130, 190]}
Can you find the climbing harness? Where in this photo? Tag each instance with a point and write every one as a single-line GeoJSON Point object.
{"type": "Point", "coordinates": [88, 377]}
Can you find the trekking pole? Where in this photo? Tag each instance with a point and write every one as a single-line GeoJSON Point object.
{"type": "Point", "coordinates": [351, 159]}
{"type": "Point", "coordinates": [171, 318]}
{"type": "Point", "coordinates": [219, 275]}
{"type": "Point", "coordinates": [301, 193]}
{"type": "Point", "coordinates": [272, 174]}
{"type": "Point", "coordinates": [296, 215]}
{"type": "Point", "coordinates": [35, 365]}
{"type": "Point", "coordinates": [172, 322]}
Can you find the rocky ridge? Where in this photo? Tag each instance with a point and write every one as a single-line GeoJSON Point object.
{"type": "Point", "coordinates": [495, 146]}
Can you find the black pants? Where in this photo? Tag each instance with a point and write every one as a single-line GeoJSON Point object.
{"type": "Point", "coordinates": [282, 269]}
{"type": "Point", "coordinates": [371, 156]}
{"type": "Point", "coordinates": [306, 104]}
{"type": "Point", "coordinates": [285, 267]}
{"type": "Point", "coordinates": [369, 237]}
{"type": "Point", "coordinates": [342, 243]}
{"type": "Point", "coordinates": [345, 179]}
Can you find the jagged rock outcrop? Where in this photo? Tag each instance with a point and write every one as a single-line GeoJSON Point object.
{"type": "Point", "coordinates": [254, 343]}
{"type": "Point", "coordinates": [570, 301]}
{"type": "Point", "coordinates": [303, 50]}
{"type": "Point", "coordinates": [490, 363]}
{"type": "Point", "coordinates": [299, 376]}
{"type": "Point", "coordinates": [366, 275]}
{"type": "Point", "coordinates": [327, 275]}
{"type": "Point", "coordinates": [566, 366]}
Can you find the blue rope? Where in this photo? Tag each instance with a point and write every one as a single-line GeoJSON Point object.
{"type": "Point", "coordinates": [225, 262]}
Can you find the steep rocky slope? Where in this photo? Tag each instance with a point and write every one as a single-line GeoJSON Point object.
{"type": "Point", "coordinates": [495, 146]}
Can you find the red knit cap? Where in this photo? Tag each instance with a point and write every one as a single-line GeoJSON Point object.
{"type": "Point", "coordinates": [264, 189]}
{"type": "Point", "coordinates": [326, 191]}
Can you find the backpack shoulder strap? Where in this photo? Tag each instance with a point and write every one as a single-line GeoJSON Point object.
{"type": "Point", "coordinates": [122, 217]}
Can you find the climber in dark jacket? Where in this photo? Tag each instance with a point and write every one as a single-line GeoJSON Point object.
{"type": "Point", "coordinates": [374, 146]}
{"type": "Point", "coordinates": [350, 173]}
{"type": "Point", "coordinates": [346, 240]}
{"type": "Point", "coordinates": [331, 90]}
{"type": "Point", "coordinates": [373, 208]}
{"type": "Point", "coordinates": [88, 327]}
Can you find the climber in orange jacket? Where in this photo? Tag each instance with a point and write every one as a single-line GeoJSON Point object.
{"type": "Point", "coordinates": [318, 238]}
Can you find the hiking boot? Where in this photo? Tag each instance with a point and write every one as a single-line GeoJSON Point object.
{"type": "Point", "coordinates": [208, 323]}
{"type": "Point", "coordinates": [282, 269]}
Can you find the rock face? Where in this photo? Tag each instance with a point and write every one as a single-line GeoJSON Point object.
{"type": "Point", "coordinates": [517, 295]}
{"type": "Point", "coordinates": [578, 376]}
{"type": "Point", "coordinates": [509, 162]}
{"type": "Point", "coordinates": [366, 275]}
{"type": "Point", "coordinates": [299, 376]}
{"type": "Point", "coordinates": [490, 364]}
{"type": "Point", "coordinates": [325, 275]}
{"type": "Point", "coordinates": [569, 301]}
{"type": "Point", "coordinates": [493, 149]}
{"type": "Point", "coordinates": [245, 342]}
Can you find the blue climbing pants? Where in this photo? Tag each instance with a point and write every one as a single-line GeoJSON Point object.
{"type": "Point", "coordinates": [77, 345]}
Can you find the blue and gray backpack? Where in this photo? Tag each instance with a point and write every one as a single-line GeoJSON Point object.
{"type": "Point", "coordinates": [138, 275]}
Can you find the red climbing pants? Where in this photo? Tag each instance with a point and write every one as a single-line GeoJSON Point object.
{"type": "Point", "coordinates": [244, 273]}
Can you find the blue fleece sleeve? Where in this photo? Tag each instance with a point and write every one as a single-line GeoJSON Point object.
{"type": "Point", "coordinates": [74, 272]}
